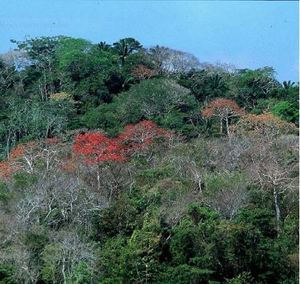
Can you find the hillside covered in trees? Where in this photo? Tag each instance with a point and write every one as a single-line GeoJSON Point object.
{"type": "Point", "coordinates": [126, 164]}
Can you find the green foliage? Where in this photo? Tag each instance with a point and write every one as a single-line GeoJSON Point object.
{"type": "Point", "coordinates": [23, 180]}
{"type": "Point", "coordinates": [82, 274]}
{"type": "Point", "coordinates": [36, 240]}
{"type": "Point", "coordinates": [126, 46]}
{"type": "Point", "coordinates": [286, 111]}
{"type": "Point", "coordinates": [243, 278]}
{"type": "Point", "coordinates": [87, 73]}
{"type": "Point", "coordinates": [260, 218]}
{"type": "Point", "coordinates": [5, 193]}
{"type": "Point", "coordinates": [215, 182]}
{"type": "Point", "coordinates": [151, 176]}
{"type": "Point", "coordinates": [157, 97]}
{"type": "Point", "coordinates": [8, 78]}
{"type": "Point", "coordinates": [104, 116]}
{"type": "Point", "coordinates": [184, 246]}
{"type": "Point", "coordinates": [185, 274]}
{"type": "Point", "coordinates": [251, 85]}
{"type": "Point", "coordinates": [51, 260]}
{"type": "Point", "coordinates": [134, 259]}
{"type": "Point", "coordinates": [70, 49]}
{"type": "Point", "coordinates": [26, 120]}
{"type": "Point", "coordinates": [40, 48]}
{"type": "Point", "coordinates": [163, 101]}
{"type": "Point", "coordinates": [119, 219]}
{"type": "Point", "coordinates": [206, 84]}
{"type": "Point", "coordinates": [201, 214]}
{"type": "Point", "coordinates": [6, 274]}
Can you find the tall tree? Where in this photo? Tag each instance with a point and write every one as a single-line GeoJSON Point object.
{"type": "Point", "coordinates": [41, 53]}
{"type": "Point", "coordinates": [125, 47]}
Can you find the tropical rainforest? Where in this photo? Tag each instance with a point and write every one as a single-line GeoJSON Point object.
{"type": "Point", "coordinates": [126, 164]}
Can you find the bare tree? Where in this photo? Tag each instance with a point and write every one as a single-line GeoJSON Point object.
{"type": "Point", "coordinates": [226, 192]}
{"type": "Point", "coordinates": [171, 61]}
{"type": "Point", "coordinates": [274, 166]}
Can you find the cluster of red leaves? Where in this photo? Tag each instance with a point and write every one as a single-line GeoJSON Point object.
{"type": "Point", "coordinates": [97, 148]}
{"type": "Point", "coordinates": [141, 72]}
{"type": "Point", "coordinates": [222, 108]}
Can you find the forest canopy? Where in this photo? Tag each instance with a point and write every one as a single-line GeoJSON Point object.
{"type": "Point", "coordinates": [121, 163]}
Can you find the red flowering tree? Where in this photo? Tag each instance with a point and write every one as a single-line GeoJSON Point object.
{"type": "Point", "coordinates": [138, 137]}
{"type": "Point", "coordinates": [97, 148]}
{"type": "Point", "coordinates": [224, 109]}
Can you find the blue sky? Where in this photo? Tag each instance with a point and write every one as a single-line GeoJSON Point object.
{"type": "Point", "coordinates": [245, 34]}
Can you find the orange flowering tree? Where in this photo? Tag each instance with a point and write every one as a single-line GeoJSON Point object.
{"type": "Point", "coordinates": [224, 109]}
{"type": "Point", "coordinates": [26, 156]}
{"type": "Point", "coordinates": [19, 159]}
{"type": "Point", "coordinates": [265, 125]}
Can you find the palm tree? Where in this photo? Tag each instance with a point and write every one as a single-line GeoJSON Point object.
{"type": "Point", "coordinates": [102, 45]}
{"type": "Point", "coordinates": [288, 84]}
{"type": "Point", "coordinates": [125, 47]}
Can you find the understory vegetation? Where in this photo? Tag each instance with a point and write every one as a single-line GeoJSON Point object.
{"type": "Point", "coordinates": [126, 164]}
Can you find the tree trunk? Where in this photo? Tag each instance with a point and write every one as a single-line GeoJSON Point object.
{"type": "Point", "coordinates": [227, 126]}
{"type": "Point", "coordinates": [277, 210]}
{"type": "Point", "coordinates": [221, 126]}
{"type": "Point", "coordinates": [63, 270]}
{"type": "Point", "coordinates": [110, 195]}
{"type": "Point", "coordinates": [8, 144]}
{"type": "Point", "coordinates": [98, 177]}
{"type": "Point", "coordinates": [122, 60]}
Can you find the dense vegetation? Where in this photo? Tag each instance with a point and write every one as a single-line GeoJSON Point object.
{"type": "Point", "coordinates": [125, 164]}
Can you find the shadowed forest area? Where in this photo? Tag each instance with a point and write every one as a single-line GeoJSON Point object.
{"type": "Point", "coordinates": [126, 164]}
